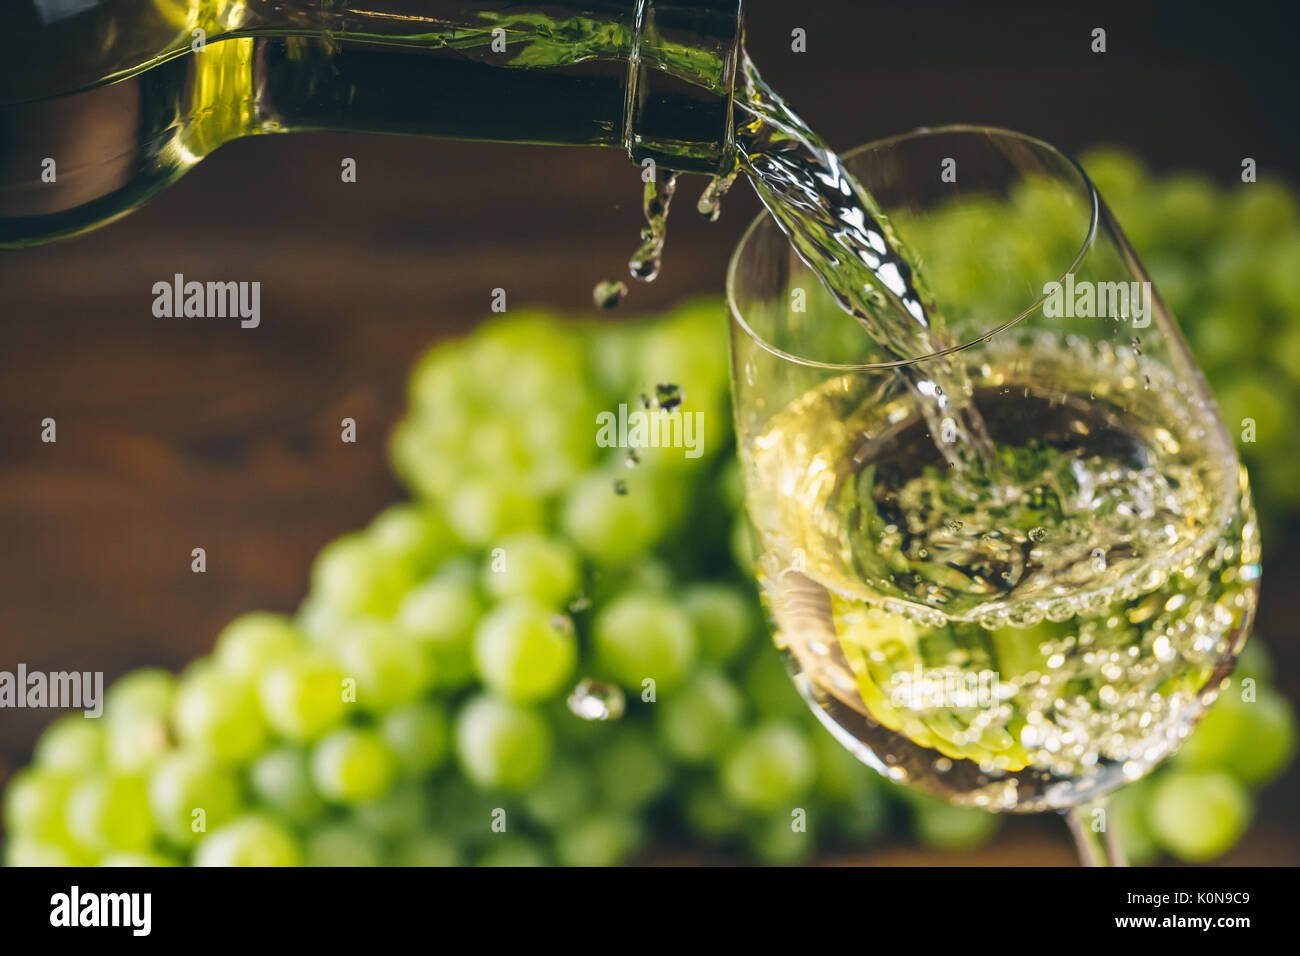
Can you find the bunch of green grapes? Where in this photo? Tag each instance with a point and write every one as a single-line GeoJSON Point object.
{"type": "Point", "coordinates": [421, 708]}
{"type": "Point", "coordinates": [1227, 262]}
{"type": "Point", "coordinates": [415, 711]}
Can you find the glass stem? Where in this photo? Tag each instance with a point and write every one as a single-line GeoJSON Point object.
{"type": "Point", "coordinates": [1094, 833]}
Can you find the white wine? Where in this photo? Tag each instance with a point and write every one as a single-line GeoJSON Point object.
{"type": "Point", "coordinates": [1034, 645]}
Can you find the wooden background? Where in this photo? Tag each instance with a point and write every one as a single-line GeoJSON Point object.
{"type": "Point", "coordinates": [181, 434]}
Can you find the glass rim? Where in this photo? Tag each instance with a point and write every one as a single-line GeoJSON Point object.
{"type": "Point", "coordinates": [764, 216]}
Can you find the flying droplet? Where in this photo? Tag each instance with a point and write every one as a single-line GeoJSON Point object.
{"type": "Point", "coordinates": [579, 604]}
{"type": "Point", "coordinates": [954, 525]}
{"type": "Point", "coordinates": [1037, 534]}
{"type": "Point", "coordinates": [620, 486]}
{"type": "Point", "coordinates": [596, 700]}
{"type": "Point", "coordinates": [562, 623]}
{"type": "Point", "coordinates": [668, 397]}
{"type": "Point", "coordinates": [710, 204]}
{"type": "Point", "coordinates": [633, 459]}
{"type": "Point", "coordinates": [608, 294]}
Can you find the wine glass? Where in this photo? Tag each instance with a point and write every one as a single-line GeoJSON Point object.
{"type": "Point", "coordinates": [1031, 639]}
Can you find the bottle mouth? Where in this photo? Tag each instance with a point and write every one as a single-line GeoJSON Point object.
{"type": "Point", "coordinates": [680, 90]}
{"type": "Point", "coordinates": [757, 231]}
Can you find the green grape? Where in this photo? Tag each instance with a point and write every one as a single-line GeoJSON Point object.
{"type": "Point", "coordinates": [775, 840]}
{"type": "Point", "coordinates": [466, 814]}
{"type": "Point", "coordinates": [1181, 286]}
{"type": "Point", "coordinates": [630, 771]}
{"type": "Point", "coordinates": [642, 635]}
{"type": "Point", "coordinates": [506, 850]}
{"type": "Point", "coordinates": [281, 780]}
{"type": "Point", "coordinates": [26, 852]}
{"type": "Point", "coordinates": [723, 617]}
{"type": "Point", "coordinates": [138, 860]}
{"type": "Point", "coordinates": [1254, 662]}
{"type": "Point", "coordinates": [498, 448]}
{"type": "Point", "coordinates": [1263, 210]}
{"type": "Point", "coordinates": [562, 796]}
{"type": "Point", "coordinates": [950, 827]}
{"type": "Point", "coordinates": [769, 770]}
{"type": "Point", "coordinates": [1277, 479]}
{"type": "Point", "coordinates": [136, 727]}
{"type": "Point", "coordinates": [532, 565]}
{"type": "Point", "coordinates": [135, 744]}
{"type": "Point", "coordinates": [423, 451]}
{"type": "Point", "coordinates": [439, 378]}
{"type": "Point", "coordinates": [218, 714]}
{"type": "Point", "coordinates": [403, 811]}
{"type": "Point", "coordinates": [768, 689]}
{"type": "Point", "coordinates": [609, 527]}
{"type": "Point", "coordinates": [521, 653]}
{"type": "Point", "coordinates": [1186, 210]}
{"type": "Point", "coordinates": [426, 850]}
{"type": "Point", "coordinates": [1248, 398]}
{"type": "Point", "coordinates": [389, 669]}
{"type": "Point", "coordinates": [109, 812]}
{"type": "Point", "coordinates": [649, 574]}
{"type": "Point", "coordinates": [1281, 263]}
{"type": "Point", "coordinates": [501, 745]}
{"type": "Point", "coordinates": [73, 744]}
{"type": "Point", "coordinates": [190, 794]}
{"type": "Point", "coordinates": [741, 545]}
{"type": "Point", "coordinates": [859, 805]}
{"type": "Point", "coordinates": [841, 777]}
{"type": "Point", "coordinates": [864, 818]}
{"type": "Point", "coordinates": [1117, 174]}
{"type": "Point", "coordinates": [414, 534]}
{"type": "Point", "coordinates": [1254, 740]}
{"type": "Point", "coordinates": [355, 576]}
{"type": "Point", "coordinates": [1226, 337]}
{"type": "Point", "coordinates": [481, 511]}
{"type": "Point", "coordinates": [34, 805]}
{"type": "Point", "coordinates": [699, 720]}
{"type": "Point", "coordinates": [604, 840]}
{"type": "Point", "coordinates": [252, 840]}
{"type": "Point", "coordinates": [302, 698]}
{"type": "Point", "coordinates": [732, 484]}
{"type": "Point", "coordinates": [612, 350]}
{"type": "Point", "coordinates": [352, 765]}
{"type": "Point", "coordinates": [319, 622]}
{"type": "Point", "coordinates": [441, 615]}
{"type": "Point", "coordinates": [1197, 815]}
{"type": "Point", "coordinates": [342, 844]}
{"type": "Point", "coordinates": [1286, 352]}
{"type": "Point", "coordinates": [251, 643]}
{"type": "Point", "coordinates": [1239, 274]}
{"type": "Point", "coordinates": [417, 734]}
{"type": "Point", "coordinates": [148, 692]}
{"type": "Point", "coordinates": [710, 815]}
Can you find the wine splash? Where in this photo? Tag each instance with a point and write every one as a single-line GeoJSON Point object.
{"type": "Point", "coordinates": [842, 234]}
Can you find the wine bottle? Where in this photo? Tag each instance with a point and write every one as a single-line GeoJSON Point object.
{"type": "Point", "coordinates": [105, 102]}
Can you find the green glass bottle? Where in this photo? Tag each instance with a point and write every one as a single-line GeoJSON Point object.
{"type": "Point", "coordinates": [105, 102]}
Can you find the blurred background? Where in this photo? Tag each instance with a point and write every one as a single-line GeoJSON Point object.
{"type": "Point", "coordinates": [175, 435]}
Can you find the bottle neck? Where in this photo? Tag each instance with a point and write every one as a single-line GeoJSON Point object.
{"type": "Point", "coordinates": [653, 77]}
